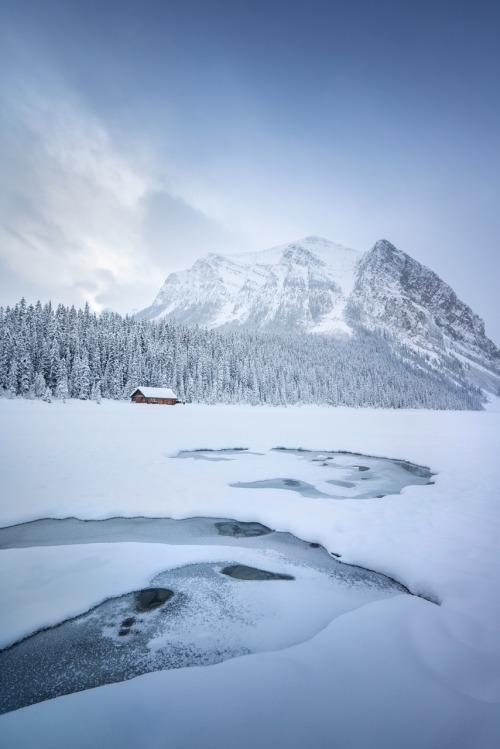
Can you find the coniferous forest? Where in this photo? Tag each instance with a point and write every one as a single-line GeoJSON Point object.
{"type": "Point", "coordinates": [67, 353]}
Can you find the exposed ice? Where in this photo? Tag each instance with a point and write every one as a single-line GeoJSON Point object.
{"type": "Point", "coordinates": [301, 487]}
{"type": "Point", "coordinates": [386, 476]}
{"type": "Point", "coordinates": [242, 530]}
{"type": "Point", "coordinates": [224, 453]}
{"type": "Point", "coordinates": [243, 572]}
{"type": "Point", "coordinates": [399, 672]}
{"type": "Point", "coordinates": [52, 532]}
{"type": "Point", "coordinates": [192, 615]}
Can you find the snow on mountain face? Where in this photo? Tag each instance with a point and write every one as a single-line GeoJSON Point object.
{"type": "Point", "coordinates": [314, 285]}
{"type": "Point", "coordinates": [303, 285]}
{"type": "Point", "coordinates": [394, 291]}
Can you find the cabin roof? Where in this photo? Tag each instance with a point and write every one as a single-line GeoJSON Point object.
{"type": "Point", "coordinates": [155, 392]}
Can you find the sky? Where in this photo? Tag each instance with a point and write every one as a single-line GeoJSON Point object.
{"type": "Point", "coordinates": [136, 137]}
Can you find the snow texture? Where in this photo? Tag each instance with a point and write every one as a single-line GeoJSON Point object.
{"type": "Point", "coordinates": [414, 672]}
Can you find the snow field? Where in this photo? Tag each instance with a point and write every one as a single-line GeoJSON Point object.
{"type": "Point", "coordinates": [398, 672]}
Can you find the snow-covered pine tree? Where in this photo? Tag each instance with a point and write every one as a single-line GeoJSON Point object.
{"type": "Point", "coordinates": [62, 390]}
{"type": "Point", "coordinates": [39, 386]}
{"type": "Point", "coordinates": [116, 354]}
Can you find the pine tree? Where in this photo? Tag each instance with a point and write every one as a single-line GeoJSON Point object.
{"type": "Point", "coordinates": [24, 368]}
{"type": "Point", "coordinates": [12, 377]}
{"type": "Point", "coordinates": [95, 394]}
{"type": "Point", "coordinates": [62, 391]}
{"type": "Point", "coordinates": [116, 354]}
{"type": "Point", "coordinates": [40, 386]}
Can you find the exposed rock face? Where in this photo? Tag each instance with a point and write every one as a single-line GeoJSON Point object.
{"type": "Point", "coordinates": [394, 291]}
{"type": "Point", "coordinates": [316, 286]}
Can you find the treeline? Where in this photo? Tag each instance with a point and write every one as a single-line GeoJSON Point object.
{"type": "Point", "coordinates": [67, 353]}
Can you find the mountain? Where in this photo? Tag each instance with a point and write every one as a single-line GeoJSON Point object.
{"type": "Point", "coordinates": [317, 286]}
{"type": "Point", "coordinates": [303, 285]}
{"type": "Point", "coordinates": [394, 292]}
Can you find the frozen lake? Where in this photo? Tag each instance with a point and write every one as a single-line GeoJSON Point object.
{"type": "Point", "coordinates": [193, 615]}
{"type": "Point", "coordinates": [200, 614]}
{"type": "Point", "coordinates": [353, 476]}
{"type": "Point", "coordinates": [111, 595]}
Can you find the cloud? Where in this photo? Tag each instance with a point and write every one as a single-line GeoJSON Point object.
{"type": "Point", "coordinates": [101, 197]}
{"type": "Point", "coordinates": [77, 213]}
{"type": "Point", "coordinates": [83, 217]}
{"type": "Point", "coordinates": [68, 199]}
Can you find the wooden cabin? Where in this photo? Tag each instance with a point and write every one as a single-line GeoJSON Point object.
{"type": "Point", "coordinates": [161, 396]}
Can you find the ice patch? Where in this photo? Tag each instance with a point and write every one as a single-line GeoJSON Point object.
{"type": "Point", "coordinates": [386, 476]}
{"type": "Point", "coordinates": [282, 592]}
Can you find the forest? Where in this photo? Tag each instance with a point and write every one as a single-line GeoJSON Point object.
{"type": "Point", "coordinates": [67, 353]}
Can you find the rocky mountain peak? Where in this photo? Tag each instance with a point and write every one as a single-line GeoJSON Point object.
{"type": "Point", "coordinates": [384, 246]}
{"type": "Point", "coordinates": [298, 255]}
{"type": "Point", "coordinates": [314, 285]}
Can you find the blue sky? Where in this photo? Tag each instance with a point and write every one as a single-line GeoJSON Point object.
{"type": "Point", "coordinates": [137, 136]}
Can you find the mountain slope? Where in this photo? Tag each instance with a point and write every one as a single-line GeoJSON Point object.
{"type": "Point", "coordinates": [316, 286]}
{"type": "Point", "coordinates": [395, 292]}
{"type": "Point", "coordinates": [303, 285]}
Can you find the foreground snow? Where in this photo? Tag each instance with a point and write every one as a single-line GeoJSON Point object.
{"type": "Point", "coordinates": [394, 673]}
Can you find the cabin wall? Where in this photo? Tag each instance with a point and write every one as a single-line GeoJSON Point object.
{"type": "Point", "coordinates": [155, 401]}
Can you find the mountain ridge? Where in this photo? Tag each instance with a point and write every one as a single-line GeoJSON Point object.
{"type": "Point", "coordinates": [317, 286]}
{"type": "Point", "coordinates": [292, 286]}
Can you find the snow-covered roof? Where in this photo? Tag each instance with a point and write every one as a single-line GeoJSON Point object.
{"type": "Point", "coordinates": [155, 392]}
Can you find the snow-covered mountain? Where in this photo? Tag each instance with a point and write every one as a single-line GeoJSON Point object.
{"type": "Point", "coordinates": [303, 285]}
{"type": "Point", "coordinates": [314, 285]}
{"type": "Point", "coordinates": [395, 292]}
